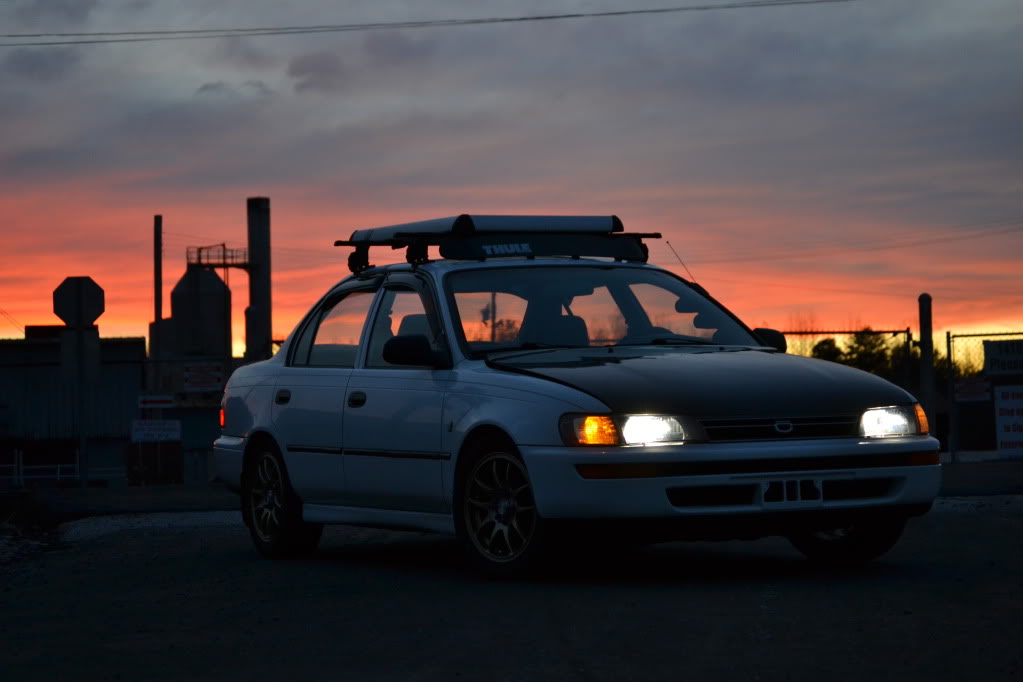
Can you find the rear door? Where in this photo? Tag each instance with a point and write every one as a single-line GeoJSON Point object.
{"type": "Point", "coordinates": [393, 414]}
{"type": "Point", "coordinates": [309, 395]}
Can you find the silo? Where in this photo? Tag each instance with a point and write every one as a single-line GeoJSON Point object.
{"type": "Point", "coordinates": [201, 310]}
{"type": "Point", "coordinates": [258, 317]}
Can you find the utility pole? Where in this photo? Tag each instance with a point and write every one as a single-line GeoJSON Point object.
{"type": "Point", "coordinates": [927, 394]}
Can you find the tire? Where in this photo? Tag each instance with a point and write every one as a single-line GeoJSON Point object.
{"type": "Point", "coordinates": [857, 543]}
{"type": "Point", "coordinates": [502, 533]}
{"type": "Point", "coordinates": [273, 512]}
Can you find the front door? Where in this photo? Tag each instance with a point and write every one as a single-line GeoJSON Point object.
{"type": "Point", "coordinates": [392, 414]}
{"type": "Point", "coordinates": [309, 395]}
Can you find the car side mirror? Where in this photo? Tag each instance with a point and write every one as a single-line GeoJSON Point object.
{"type": "Point", "coordinates": [772, 337]}
{"type": "Point", "coordinates": [411, 350]}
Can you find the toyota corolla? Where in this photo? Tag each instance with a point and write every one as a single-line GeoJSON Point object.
{"type": "Point", "coordinates": [541, 376]}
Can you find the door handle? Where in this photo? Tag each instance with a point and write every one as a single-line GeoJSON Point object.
{"type": "Point", "coordinates": [282, 397]}
{"type": "Point", "coordinates": [356, 399]}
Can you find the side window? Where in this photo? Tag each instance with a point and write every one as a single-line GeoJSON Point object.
{"type": "Point", "coordinates": [336, 339]}
{"type": "Point", "coordinates": [401, 312]}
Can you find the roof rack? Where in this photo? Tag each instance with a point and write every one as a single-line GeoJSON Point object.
{"type": "Point", "coordinates": [467, 237]}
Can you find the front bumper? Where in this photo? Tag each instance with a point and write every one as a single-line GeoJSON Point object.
{"type": "Point", "coordinates": [821, 477]}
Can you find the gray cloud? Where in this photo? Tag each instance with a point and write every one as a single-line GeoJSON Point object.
{"type": "Point", "coordinates": [317, 72]}
{"type": "Point", "coordinates": [217, 88]}
{"type": "Point", "coordinates": [905, 112]}
{"type": "Point", "coordinates": [244, 53]}
{"type": "Point", "coordinates": [65, 11]}
{"type": "Point", "coordinates": [395, 47]}
{"type": "Point", "coordinates": [41, 63]}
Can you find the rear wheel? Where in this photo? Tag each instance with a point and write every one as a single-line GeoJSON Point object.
{"type": "Point", "coordinates": [856, 543]}
{"type": "Point", "coordinates": [496, 513]}
{"type": "Point", "coordinates": [274, 511]}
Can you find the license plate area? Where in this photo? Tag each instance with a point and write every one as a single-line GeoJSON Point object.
{"type": "Point", "coordinates": [792, 492]}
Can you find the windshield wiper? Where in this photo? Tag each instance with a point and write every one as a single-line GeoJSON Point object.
{"type": "Point", "coordinates": [671, 341]}
{"type": "Point", "coordinates": [675, 341]}
{"type": "Point", "coordinates": [530, 346]}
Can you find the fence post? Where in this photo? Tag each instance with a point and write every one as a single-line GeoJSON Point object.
{"type": "Point", "coordinates": [953, 406]}
{"type": "Point", "coordinates": [926, 359]}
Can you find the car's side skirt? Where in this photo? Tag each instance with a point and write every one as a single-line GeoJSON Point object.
{"type": "Point", "coordinates": [379, 518]}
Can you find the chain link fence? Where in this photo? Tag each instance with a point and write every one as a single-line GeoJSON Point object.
{"type": "Point", "coordinates": [970, 392]}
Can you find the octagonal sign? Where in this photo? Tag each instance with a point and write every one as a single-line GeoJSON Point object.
{"type": "Point", "coordinates": [78, 301]}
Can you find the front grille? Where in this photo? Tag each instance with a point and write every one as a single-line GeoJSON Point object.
{"type": "Point", "coordinates": [787, 492]}
{"type": "Point", "coordinates": [794, 428]}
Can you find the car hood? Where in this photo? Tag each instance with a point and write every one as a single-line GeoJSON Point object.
{"type": "Point", "coordinates": [709, 382]}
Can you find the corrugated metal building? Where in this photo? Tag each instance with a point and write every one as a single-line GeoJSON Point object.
{"type": "Point", "coordinates": [39, 409]}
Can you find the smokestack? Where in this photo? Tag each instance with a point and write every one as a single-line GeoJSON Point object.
{"type": "Point", "coordinates": [258, 318]}
{"type": "Point", "coordinates": [154, 334]}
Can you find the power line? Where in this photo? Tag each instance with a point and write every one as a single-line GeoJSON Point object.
{"type": "Point", "coordinates": [10, 318]}
{"type": "Point", "coordinates": [804, 244]}
{"type": "Point", "coordinates": [889, 246]}
{"type": "Point", "coordinates": [107, 37]}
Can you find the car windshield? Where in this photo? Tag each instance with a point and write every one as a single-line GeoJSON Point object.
{"type": "Point", "coordinates": [577, 306]}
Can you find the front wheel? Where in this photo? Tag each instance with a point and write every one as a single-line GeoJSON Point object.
{"type": "Point", "coordinates": [856, 543]}
{"type": "Point", "coordinates": [496, 515]}
{"type": "Point", "coordinates": [273, 511]}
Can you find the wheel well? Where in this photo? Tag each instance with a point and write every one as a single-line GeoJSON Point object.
{"type": "Point", "coordinates": [478, 435]}
{"type": "Point", "coordinates": [257, 441]}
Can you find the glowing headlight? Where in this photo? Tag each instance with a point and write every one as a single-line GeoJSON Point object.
{"type": "Point", "coordinates": [650, 429]}
{"type": "Point", "coordinates": [882, 422]}
{"type": "Point", "coordinates": [634, 429]}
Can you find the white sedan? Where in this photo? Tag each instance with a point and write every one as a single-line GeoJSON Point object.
{"type": "Point", "coordinates": [542, 376]}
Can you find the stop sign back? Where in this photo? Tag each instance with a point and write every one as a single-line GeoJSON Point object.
{"type": "Point", "coordinates": [78, 301]}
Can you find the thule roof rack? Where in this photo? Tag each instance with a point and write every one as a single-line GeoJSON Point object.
{"type": "Point", "coordinates": [467, 237]}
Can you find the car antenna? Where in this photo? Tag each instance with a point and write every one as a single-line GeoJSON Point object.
{"type": "Point", "coordinates": [680, 260]}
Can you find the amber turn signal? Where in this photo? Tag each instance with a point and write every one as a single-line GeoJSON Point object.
{"type": "Point", "coordinates": [596, 430]}
{"type": "Point", "coordinates": [921, 420]}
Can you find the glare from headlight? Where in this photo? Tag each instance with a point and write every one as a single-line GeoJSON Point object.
{"type": "Point", "coordinates": [649, 429]}
{"type": "Point", "coordinates": [882, 422]}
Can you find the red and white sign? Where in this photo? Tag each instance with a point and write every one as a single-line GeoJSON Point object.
{"type": "Point", "coordinates": [150, 401]}
{"type": "Point", "coordinates": [1009, 421]}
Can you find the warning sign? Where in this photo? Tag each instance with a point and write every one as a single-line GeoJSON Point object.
{"type": "Point", "coordinates": [1009, 421]}
{"type": "Point", "coordinates": [155, 430]}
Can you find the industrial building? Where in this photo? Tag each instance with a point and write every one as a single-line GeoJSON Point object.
{"type": "Point", "coordinates": [76, 406]}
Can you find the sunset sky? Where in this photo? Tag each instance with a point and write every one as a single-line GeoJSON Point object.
{"type": "Point", "coordinates": [814, 165]}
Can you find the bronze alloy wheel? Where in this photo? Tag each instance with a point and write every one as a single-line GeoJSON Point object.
{"type": "Point", "coordinates": [499, 510]}
{"type": "Point", "coordinates": [266, 498]}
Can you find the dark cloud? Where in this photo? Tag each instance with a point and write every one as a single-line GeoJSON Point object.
{"type": "Point", "coordinates": [41, 63]}
{"type": "Point", "coordinates": [396, 48]}
{"type": "Point", "coordinates": [63, 11]}
{"type": "Point", "coordinates": [258, 87]}
{"type": "Point", "coordinates": [317, 72]}
{"type": "Point", "coordinates": [218, 88]}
